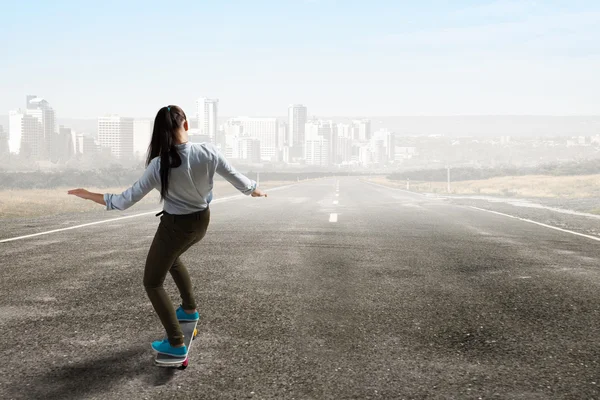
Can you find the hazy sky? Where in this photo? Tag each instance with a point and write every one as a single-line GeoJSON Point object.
{"type": "Point", "coordinates": [89, 58]}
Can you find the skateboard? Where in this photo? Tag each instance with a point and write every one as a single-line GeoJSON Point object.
{"type": "Point", "coordinates": [189, 334]}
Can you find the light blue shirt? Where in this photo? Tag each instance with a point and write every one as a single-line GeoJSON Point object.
{"type": "Point", "coordinates": [190, 184]}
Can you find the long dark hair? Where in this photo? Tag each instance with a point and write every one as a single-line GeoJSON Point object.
{"type": "Point", "coordinates": [168, 120]}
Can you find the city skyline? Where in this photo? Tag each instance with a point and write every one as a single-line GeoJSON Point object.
{"type": "Point", "coordinates": [33, 135]}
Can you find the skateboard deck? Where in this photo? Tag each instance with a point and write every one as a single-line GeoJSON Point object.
{"type": "Point", "coordinates": [189, 333]}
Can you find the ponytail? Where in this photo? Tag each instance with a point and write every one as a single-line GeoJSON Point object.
{"type": "Point", "coordinates": [168, 120]}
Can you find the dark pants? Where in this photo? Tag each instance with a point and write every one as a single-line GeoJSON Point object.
{"type": "Point", "coordinates": [175, 234]}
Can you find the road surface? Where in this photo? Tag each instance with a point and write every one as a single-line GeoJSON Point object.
{"type": "Point", "coordinates": [328, 289]}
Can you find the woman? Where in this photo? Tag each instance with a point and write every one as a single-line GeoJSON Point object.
{"type": "Point", "coordinates": [183, 172]}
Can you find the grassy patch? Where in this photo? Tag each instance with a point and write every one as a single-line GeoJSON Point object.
{"type": "Point", "coordinates": [541, 186]}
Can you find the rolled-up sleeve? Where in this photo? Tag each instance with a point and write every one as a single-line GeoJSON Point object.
{"type": "Point", "coordinates": [149, 180]}
{"type": "Point", "coordinates": [238, 180]}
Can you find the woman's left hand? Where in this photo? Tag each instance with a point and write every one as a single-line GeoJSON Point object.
{"type": "Point", "coordinates": [84, 194]}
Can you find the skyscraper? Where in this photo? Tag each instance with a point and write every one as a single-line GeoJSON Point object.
{"type": "Point", "coordinates": [343, 150]}
{"type": "Point", "coordinates": [297, 115]}
{"type": "Point", "coordinates": [233, 131]}
{"type": "Point", "coordinates": [263, 129]}
{"type": "Point", "coordinates": [87, 145]}
{"type": "Point", "coordinates": [317, 130]}
{"type": "Point", "coordinates": [317, 144]}
{"type": "Point", "coordinates": [207, 114]}
{"type": "Point", "coordinates": [386, 139]}
{"type": "Point", "coordinates": [25, 134]}
{"type": "Point", "coordinates": [40, 109]}
{"type": "Point", "coordinates": [116, 134]}
{"type": "Point", "coordinates": [248, 149]}
{"type": "Point", "coordinates": [283, 151]}
{"type": "Point", "coordinates": [362, 129]}
{"type": "Point", "coordinates": [64, 146]}
{"type": "Point", "coordinates": [317, 151]}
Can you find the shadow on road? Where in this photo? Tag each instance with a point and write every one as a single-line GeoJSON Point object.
{"type": "Point", "coordinates": [93, 377]}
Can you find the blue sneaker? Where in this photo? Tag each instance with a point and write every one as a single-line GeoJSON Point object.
{"type": "Point", "coordinates": [183, 316]}
{"type": "Point", "coordinates": [164, 347]}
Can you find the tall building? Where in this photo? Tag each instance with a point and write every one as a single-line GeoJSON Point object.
{"type": "Point", "coordinates": [263, 129]}
{"type": "Point", "coordinates": [116, 134]}
{"type": "Point", "coordinates": [233, 127]}
{"type": "Point", "coordinates": [248, 149]}
{"type": "Point", "coordinates": [365, 155]}
{"type": "Point", "coordinates": [343, 150]}
{"type": "Point", "coordinates": [344, 130]}
{"type": "Point", "coordinates": [39, 108]}
{"type": "Point", "coordinates": [316, 151]}
{"type": "Point", "coordinates": [354, 158]}
{"type": "Point", "coordinates": [87, 145]}
{"type": "Point", "coordinates": [378, 150]}
{"type": "Point", "coordinates": [206, 115]}
{"type": "Point", "coordinates": [329, 132]}
{"type": "Point", "coordinates": [64, 145]}
{"type": "Point", "coordinates": [25, 134]}
{"type": "Point", "coordinates": [282, 130]}
{"type": "Point", "coordinates": [362, 129]}
{"type": "Point", "coordinates": [297, 116]}
{"type": "Point", "coordinates": [233, 131]}
{"type": "Point", "coordinates": [285, 155]}
{"type": "Point", "coordinates": [383, 146]}
{"type": "Point", "coordinates": [142, 134]}
{"type": "Point", "coordinates": [316, 130]}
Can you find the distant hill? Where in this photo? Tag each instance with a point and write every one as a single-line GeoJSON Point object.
{"type": "Point", "coordinates": [478, 126]}
{"type": "Point", "coordinates": [486, 126]}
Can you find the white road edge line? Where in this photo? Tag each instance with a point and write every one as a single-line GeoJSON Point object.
{"type": "Point", "coordinates": [333, 217]}
{"type": "Point", "coordinates": [539, 223]}
{"type": "Point", "coordinates": [223, 199]}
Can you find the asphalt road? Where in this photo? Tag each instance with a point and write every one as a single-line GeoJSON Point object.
{"type": "Point", "coordinates": [403, 297]}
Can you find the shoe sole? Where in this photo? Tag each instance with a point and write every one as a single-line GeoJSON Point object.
{"type": "Point", "coordinates": [169, 354]}
{"type": "Point", "coordinates": [188, 319]}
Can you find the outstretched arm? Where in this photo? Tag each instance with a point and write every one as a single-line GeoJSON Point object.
{"type": "Point", "coordinates": [239, 181]}
{"type": "Point", "coordinates": [129, 197]}
{"type": "Point", "coordinates": [84, 194]}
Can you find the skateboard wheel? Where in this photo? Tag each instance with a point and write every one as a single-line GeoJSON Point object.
{"type": "Point", "coordinates": [195, 332]}
{"type": "Point", "coordinates": [184, 364]}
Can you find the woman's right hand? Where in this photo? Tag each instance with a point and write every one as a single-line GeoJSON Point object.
{"type": "Point", "coordinates": [258, 193]}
